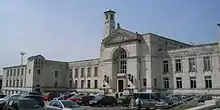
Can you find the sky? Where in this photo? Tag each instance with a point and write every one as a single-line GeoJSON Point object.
{"type": "Point", "coordinates": [69, 30]}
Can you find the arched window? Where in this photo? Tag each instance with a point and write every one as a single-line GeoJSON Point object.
{"type": "Point", "coordinates": [120, 56]}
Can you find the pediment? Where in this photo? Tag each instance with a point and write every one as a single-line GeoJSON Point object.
{"type": "Point", "coordinates": [119, 36]}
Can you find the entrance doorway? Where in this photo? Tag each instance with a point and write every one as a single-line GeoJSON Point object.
{"type": "Point", "coordinates": [120, 85]}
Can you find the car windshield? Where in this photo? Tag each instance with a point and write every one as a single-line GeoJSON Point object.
{"type": "Point", "coordinates": [69, 104]}
{"type": "Point", "coordinates": [28, 104]}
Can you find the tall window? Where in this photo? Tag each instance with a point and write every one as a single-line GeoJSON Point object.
{"type": "Point", "coordinates": [207, 63]}
{"type": "Point", "coordinates": [192, 82]}
{"type": "Point", "coordinates": [88, 84]}
{"type": "Point", "coordinates": [178, 65]}
{"type": "Point", "coordinates": [165, 66]}
{"type": "Point", "coordinates": [56, 74]}
{"type": "Point", "coordinates": [192, 65]}
{"type": "Point", "coordinates": [21, 83]}
{"type": "Point", "coordinates": [178, 82]}
{"type": "Point", "coordinates": [121, 60]}
{"type": "Point", "coordinates": [38, 71]}
{"type": "Point", "coordinates": [95, 71]}
{"type": "Point", "coordinates": [22, 71]}
{"type": "Point", "coordinates": [88, 72]}
{"type": "Point", "coordinates": [6, 83]}
{"type": "Point", "coordinates": [18, 72]}
{"type": "Point", "coordinates": [11, 72]}
{"type": "Point", "coordinates": [17, 84]}
{"type": "Point", "coordinates": [155, 82]}
{"type": "Point", "coordinates": [144, 82]}
{"type": "Point", "coordinates": [95, 83]}
{"type": "Point", "coordinates": [208, 82]}
{"type": "Point", "coordinates": [70, 83]}
{"type": "Point", "coordinates": [82, 83]}
{"type": "Point", "coordinates": [13, 83]}
{"type": "Point", "coordinates": [7, 73]}
{"type": "Point", "coordinates": [71, 73]}
{"type": "Point", "coordinates": [166, 82]}
{"type": "Point", "coordinates": [82, 72]}
{"type": "Point", "coordinates": [14, 72]}
{"type": "Point", "coordinates": [10, 83]}
{"type": "Point", "coordinates": [76, 73]}
{"type": "Point", "coordinates": [76, 83]}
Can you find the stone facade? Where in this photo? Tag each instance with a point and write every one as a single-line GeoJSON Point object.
{"type": "Point", "coordinates": [129, 61]}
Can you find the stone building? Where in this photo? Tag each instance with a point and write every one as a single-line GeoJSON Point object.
{"type": "Point", "coordinates": [129, 61]}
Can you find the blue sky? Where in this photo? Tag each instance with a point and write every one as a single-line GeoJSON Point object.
{"type": "Point", "coordinates": [72, 29]}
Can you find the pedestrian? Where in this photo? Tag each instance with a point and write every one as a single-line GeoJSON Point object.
{"type": "Point", "coordinates": [132, 102]}
{"type": "Point", "coordinates": [138, 103]}
{"type": "Point", "coordinates": [116, 95]}
{"type": "Point", "coordinates": [121, 94]}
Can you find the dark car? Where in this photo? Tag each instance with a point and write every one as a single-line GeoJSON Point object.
{"type": "Point", "coordinates": [38, 98]}
{"type": "Point", "coordinates": [103, 100]}
{"type": "Point", "coordinates": [124, 100]}
{"type": "Point", "coordinates": [85, 99]}
{"type": "Point", "coordinates": [21, 104]}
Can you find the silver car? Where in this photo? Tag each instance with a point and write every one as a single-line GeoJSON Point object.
{"type": "Point", "coordinates": [63, 105]}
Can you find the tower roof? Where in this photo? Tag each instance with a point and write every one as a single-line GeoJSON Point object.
{"type": "Point", "coordinates": [109, 11]}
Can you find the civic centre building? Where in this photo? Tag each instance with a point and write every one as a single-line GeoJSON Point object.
{"type": "Point", "coordinates": [129, 61]}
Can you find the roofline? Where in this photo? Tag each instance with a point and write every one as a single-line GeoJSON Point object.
{"type": "Point", "coordinates": [199, 45]}
{"type": "Point", "coordinates": [14, 66]}
{"type": "Point", "coordinates": [84, 60]}
{"type": "Point", "coordinates": [166, 38]}
{"type": "Point", "coordinates": [109, 11]}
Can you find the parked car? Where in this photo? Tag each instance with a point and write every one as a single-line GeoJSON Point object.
{"type": "Point", "coordinates": [21, 104]}
{"type": "Point", "coordinates": [204, 98]}
{"type": "Point", "coordinates": [63, 105]}
{"type": "Point", "coordinates": [103, 100]}
{"type": "Point", "coordinates": [38, 98]}
{"type": "Point", "coordinates": [85, 99]}
{"type": "Point", "coordinates": [124, 100]}
{"type": "Point", "coordinates": [6, 98]}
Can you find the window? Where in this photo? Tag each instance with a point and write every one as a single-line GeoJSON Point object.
{"type": "Point", "coordinates": [21, 83]}
{"type": "Point", "coordinates": [192, 82]}
{"type": "Point", "coordinates": [95, 83]}
{"type": "Point", "coordinates": [13, 83]}
{"type": "Point", "coordinates": [192, 65]}
{"type": "Point", "coordinates": [29, 71]}
{"type": "Point", "coordinates": [14, 72]}
{"type": "Point", "coordinates": [88, 84]}
{"type": "Point", "coordinates": [55, 84]}
{"type": "Point", "coordinates": [82, 72]}
{"type": "Point", "coordinates": [106, 16]}
{"type": "Point", "coordinates": [166, 82]}
{"type": "Point", "coordinates": [165, 66]}
{"type": "Point", "coordinates": [208, 82]}
{"type": "Point", "coordinates": [178, 82]}
{"type": "Point", "coordinates": [17, 84]}
{"type": "Point", "coordinates": [145, 82]}
{"type": "Point", "coordinates": [18, 72]}
{"type": "Point", "coordinates": [88, 72]}
{"type": "Point", "coordinates": [10, 83]}
{"type": "Point", "coordinates": [76, 83]}
{"type": "Point", "coordinates": [22, 71]}
{"type": "Point", "coordinates": [11, 72]}
{"type": "Point", "coordinates": [76, 73]}
{"type": "Point", "coordinates": [6, 83]}
{"type": "Point", "coordinates": [123, 62]}
{"type": "Point", "coordinates": [38, 71]}
{"type": "Point", "coordinates": [207, 63]}
{"type": "Point", "coordinates": [7, 73]}
{"type": "Point", "coordinates": [70, 83]}
{"type": "Point", "coordinates": [95, 71]}
{"type": "Point", "coordinates": [82, 83]}
{"type": "Point", "coordinates": [178, 65]}
{"type": "Point", "coordinates": [71, 73]}
{"type": "Point", "coordinates": [56, 74]}
{"type": "Point", "coordinates": [112, 17]}
{"type": "Point", "coordinates": [155, 82]}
